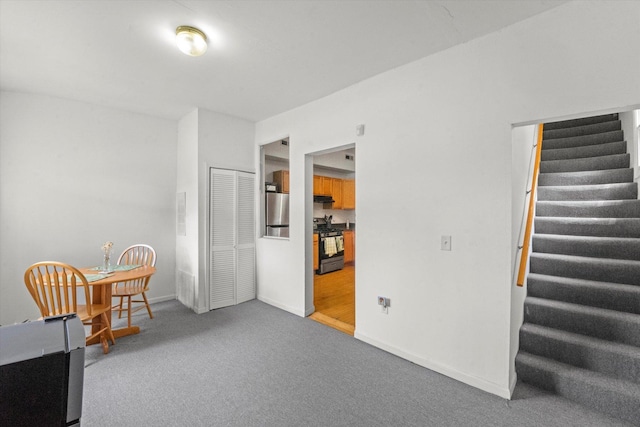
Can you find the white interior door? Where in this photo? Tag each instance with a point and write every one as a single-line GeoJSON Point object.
{"type": "Point", "coordinates": [232, 238]}
{"type": "Point", "coordinates": [222, 223]}
{"type": "Point", "coordinates": [246, 238]}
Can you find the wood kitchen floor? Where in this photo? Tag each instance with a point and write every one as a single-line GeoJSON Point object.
{"type": "Point", "coordinates": [334, 297]}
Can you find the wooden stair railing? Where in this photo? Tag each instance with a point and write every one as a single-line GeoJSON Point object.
{"type": "Point", "coordinates": [524, 256]}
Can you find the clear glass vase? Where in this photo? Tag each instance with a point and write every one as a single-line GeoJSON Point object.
{"type": "Point", "coordinates": [106, 262]}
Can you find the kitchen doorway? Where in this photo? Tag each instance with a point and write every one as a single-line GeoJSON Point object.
{"type": "Point", "coordinates": [331, 216]}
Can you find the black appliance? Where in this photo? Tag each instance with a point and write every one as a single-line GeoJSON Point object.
{"type": "Point", "coordinates": [42, 372]}
{"type": "Point", "coordinates": [322, 199]}
{"type": "Point", "coordinates": [330, 246]}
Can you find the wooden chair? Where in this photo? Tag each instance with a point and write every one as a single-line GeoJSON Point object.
{"type": "Point", "coordinates": [135, 254]}
{"type": "Point", "coordinates": [56, 288]}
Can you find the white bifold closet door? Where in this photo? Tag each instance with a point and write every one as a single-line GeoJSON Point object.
{"type": "Point", "coordinates": [232, 271]}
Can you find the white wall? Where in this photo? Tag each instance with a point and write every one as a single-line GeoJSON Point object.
{"type": "Point", "coordinates": [630, 126]}
{"type": "Point", "coordinates": [524, 139]}
{"type": "Point", "coordinates": [451, 311]}
{"type": "Point", "coordinates": [74, 175]}
{"type": "Point", "coordinates": [187, 182]}
{"type": "Point", "coordinates": [206, 140]}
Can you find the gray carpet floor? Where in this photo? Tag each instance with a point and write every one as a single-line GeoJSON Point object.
{"type": "Point", "coordinates": [256, 365]}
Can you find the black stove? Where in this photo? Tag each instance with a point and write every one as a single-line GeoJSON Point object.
{"type": "Point", "coordinates": [329, 232]}
{"type": "Point", "coordinates": [330, 246]}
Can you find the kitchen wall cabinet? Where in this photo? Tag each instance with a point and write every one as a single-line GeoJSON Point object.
{"type": "Point", "coordinates": [316, 252]}
{"type": "Point", "coordinates": [349, 237]}
{"type": "Point", "coordinates": [343, 191]}
{"type": "Point", "coordinates": [318, 185]}
{"type": "Point", "coordinates": [348, 194]}
{"type": "Point", "coordinates": [232, 246]}
{"type": "Point", "coordinates": [281, 179]}
{"type": "Point", "coordinates": [327, 185]}
{"type": "Point", "coordinates": [336, 193]}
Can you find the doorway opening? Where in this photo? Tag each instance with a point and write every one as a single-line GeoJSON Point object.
{"type": "Point", "coordinates": [331, 219]}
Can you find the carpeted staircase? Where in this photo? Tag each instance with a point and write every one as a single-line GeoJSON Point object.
{"type": "Point", "coordinates": [581, 331]}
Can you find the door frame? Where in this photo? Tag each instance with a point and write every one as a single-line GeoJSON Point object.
{"type": "Point", "coordinates": [309, 307]}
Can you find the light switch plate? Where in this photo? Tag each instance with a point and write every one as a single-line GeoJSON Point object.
{"type": "Point", "coordinates": [445, 243]}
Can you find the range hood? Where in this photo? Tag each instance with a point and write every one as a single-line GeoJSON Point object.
{"type": "Point", "coordinates": [322, 199]}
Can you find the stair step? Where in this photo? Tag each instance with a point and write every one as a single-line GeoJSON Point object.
{"type": "Point", "coordinates": [618, 191]}
{"type": "Point", "coordinates": [616, 360]}
{"type": "Point", "coordinates": [579, 141]}
{"type": "Point", "coordinates": [583, 130]}
{"type": "Point", "coordinates": [588, 246]}
{"type": "Point", "coordinates": [596, 322]}
{"type": "Point", "coordinates": [608, 176]}
{"type": "Point", "coordinates": [600, 269]}
{"type": "Point", "coordinates": [611, 296]}
{"type": "Point", "coordinates": [581, 121]}
{"type": "Point", "coordinates": [617, 398]}
{"type": "Point", "coordinates": [591, 208]}
{"type": "Point", "coordinates": [604, 227]}
{"type": "Point", "coordinates": [609, 148]}
{"type": "Point", "coordinates": [613, 161]}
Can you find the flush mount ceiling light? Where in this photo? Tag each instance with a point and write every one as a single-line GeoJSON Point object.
{"type": "Point", "coordinates": [191, 41]}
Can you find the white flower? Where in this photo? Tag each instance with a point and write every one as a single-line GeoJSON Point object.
{"type": "Point", "coordinates": [107, 247]}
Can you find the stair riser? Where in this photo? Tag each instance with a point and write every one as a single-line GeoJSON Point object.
{"type": "Point", "coordinates": [608, 149]}
{"type": "Point", "coordinates": [619, 227]}
{"type": "Point", "coordinates": [582, 121]}
{"type": "Point", "coordinates": [580, 141]}
{"type": "Point", "coordinates": [614, 161]}
{"type": "Point", "coordinates": [591, 294]}
{"type": "Point", "coordinates": [600, 398]}
{"type": "Point", "coordinates": [626, 191]}
{"type": "Point", "coordinates": [623, 366]}
{"type": "Point", "coordinates": [621, 248]}
{"type": "Point", "coordinates": [582, 130]}
{"type": "Point", "coordinates": [611, 328]}
{"type": "Point", "coordinates": [623, 209]}
{"type": "Point", "coordinates": [609, 176]}
{"type": "Point", "coordinates": [598, 269]}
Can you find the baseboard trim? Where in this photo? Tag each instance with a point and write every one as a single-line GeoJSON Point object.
{"type": "Point", "coordinates": [472, 381]}
{"type": "Point", "coordinates": [310, 311]}
{"type": "Point", "coordinates": [175, 297]}
{"type": "Point", "coordinates": [512, 385]}
{"type": "Point", "coordinates": [284, 307]}
{"type": "Point", "coordinates": [161, 299]}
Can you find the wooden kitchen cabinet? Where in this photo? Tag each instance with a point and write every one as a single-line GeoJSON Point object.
{"type": "Point", "coordinates": [349, 237]}
{"type": "Point", "coordinates": [336, 193]}
{"type": "Point", "coordinates": [348, 194]}
{"type": "Point", "coordinates": [281, 179]}
{"type": "Point", "coordinates": [322, 185]}
{"type": "Point", "coordinates": [327, 185]}
{"type": "Point", "coordinates": [318, 182]}
{"type": "Point", "coordinates": [316, 253]}
{"type": "Point", "coordinates": [343, 191]}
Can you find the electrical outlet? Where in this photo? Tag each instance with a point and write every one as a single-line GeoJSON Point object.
{"type": "Point", "coordinates": [384, 302]}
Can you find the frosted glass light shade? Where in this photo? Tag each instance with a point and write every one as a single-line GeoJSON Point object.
{"type": "Point", "coordinates": [191, 41]}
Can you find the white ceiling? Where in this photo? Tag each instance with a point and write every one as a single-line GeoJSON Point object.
{"type": "Point", "coordinates": [264, 57]}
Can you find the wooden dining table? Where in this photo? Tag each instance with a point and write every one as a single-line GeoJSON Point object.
{"type": "Point", "coordinates": [102, 294]}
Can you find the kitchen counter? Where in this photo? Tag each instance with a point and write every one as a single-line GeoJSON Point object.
{"type": "Point", "coordinates": [343, 226]}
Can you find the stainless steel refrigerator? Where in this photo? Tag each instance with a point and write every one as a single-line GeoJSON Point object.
{"type": "Point", "coordinates": [277, 211]}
